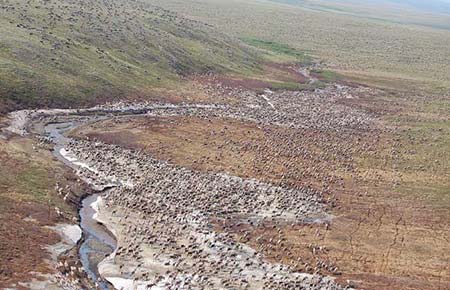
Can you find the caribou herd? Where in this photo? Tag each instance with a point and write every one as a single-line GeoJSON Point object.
{"type": "Point", "coordinates": [166, 217]}
{"type": "Point", "coordinates": [171, 223]}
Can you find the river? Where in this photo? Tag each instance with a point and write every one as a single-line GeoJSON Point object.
{"type": "Point", "coordinates": [97, 242]}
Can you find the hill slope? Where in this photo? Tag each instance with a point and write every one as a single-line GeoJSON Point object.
{"type": "Point", "coordinates": [61, 53]}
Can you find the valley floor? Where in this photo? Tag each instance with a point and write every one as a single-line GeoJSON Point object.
{"type": "Point", "coordinates": [342, 186]}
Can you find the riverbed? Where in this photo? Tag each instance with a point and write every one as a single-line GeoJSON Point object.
{"type": "Point", "coordinates": [97, 242]}
{"type": "Point", "coordinates": [166, 247]}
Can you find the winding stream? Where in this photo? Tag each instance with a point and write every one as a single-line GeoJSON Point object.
{"type": "Point", "coordinates": [97, 242]}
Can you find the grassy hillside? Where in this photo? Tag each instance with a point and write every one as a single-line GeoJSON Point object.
{"type": "Point", "coordinates": [373, 51]}
{"type": "Point", "coordinates": [67, 52]}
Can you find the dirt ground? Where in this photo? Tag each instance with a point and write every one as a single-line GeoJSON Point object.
{"type": "Point", "coordinates": [382, 236]}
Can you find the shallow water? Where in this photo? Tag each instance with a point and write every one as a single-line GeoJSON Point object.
{"type": "Point", "coordinates": [98, 242]}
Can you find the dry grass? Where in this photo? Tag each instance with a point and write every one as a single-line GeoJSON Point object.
{"type": "Point", "coordinates": [357, 46]}
{"type": "Point", "coordinates": [240, 148]}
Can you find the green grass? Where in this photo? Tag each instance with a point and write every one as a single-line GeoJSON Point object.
{"type": "Point", "coordinates": [30, 182]}
{"type": "Point", "coordinates": [29, 176]}
{"type": "Point", "coordinates": [286, 86]}
{"type": "Point", "coordinates": [34, 181]}
{"type": "Point", "coordinates": [281, 50]}
{"type": "Point", "coordinates": [65, 53]}
{"type": "Point", "coordinates": [327, 75]}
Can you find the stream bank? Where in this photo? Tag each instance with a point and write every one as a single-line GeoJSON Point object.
{"type": "Point", "coordinates": [97, 242]}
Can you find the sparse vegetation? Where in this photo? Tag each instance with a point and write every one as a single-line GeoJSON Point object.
{"type": "Point", "coordinates": [374, 51]}
{"type": "Point", "coordinates": [432, 13]}
{"type": "Point", "coordinates": [28, 200]}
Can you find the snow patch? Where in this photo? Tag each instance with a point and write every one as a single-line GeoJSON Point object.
{"type": "Point", "coordinates": [71, 158]}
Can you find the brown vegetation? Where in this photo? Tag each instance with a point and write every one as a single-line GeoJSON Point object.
{"type": "Point", "coordinates": [272, 76]}
{"type": "Point", "coordinates": [27, 206]}
{"type": "Point", "coordinates": [23, 237]}
{"type": "Point", "coordinates": [241, 148]}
